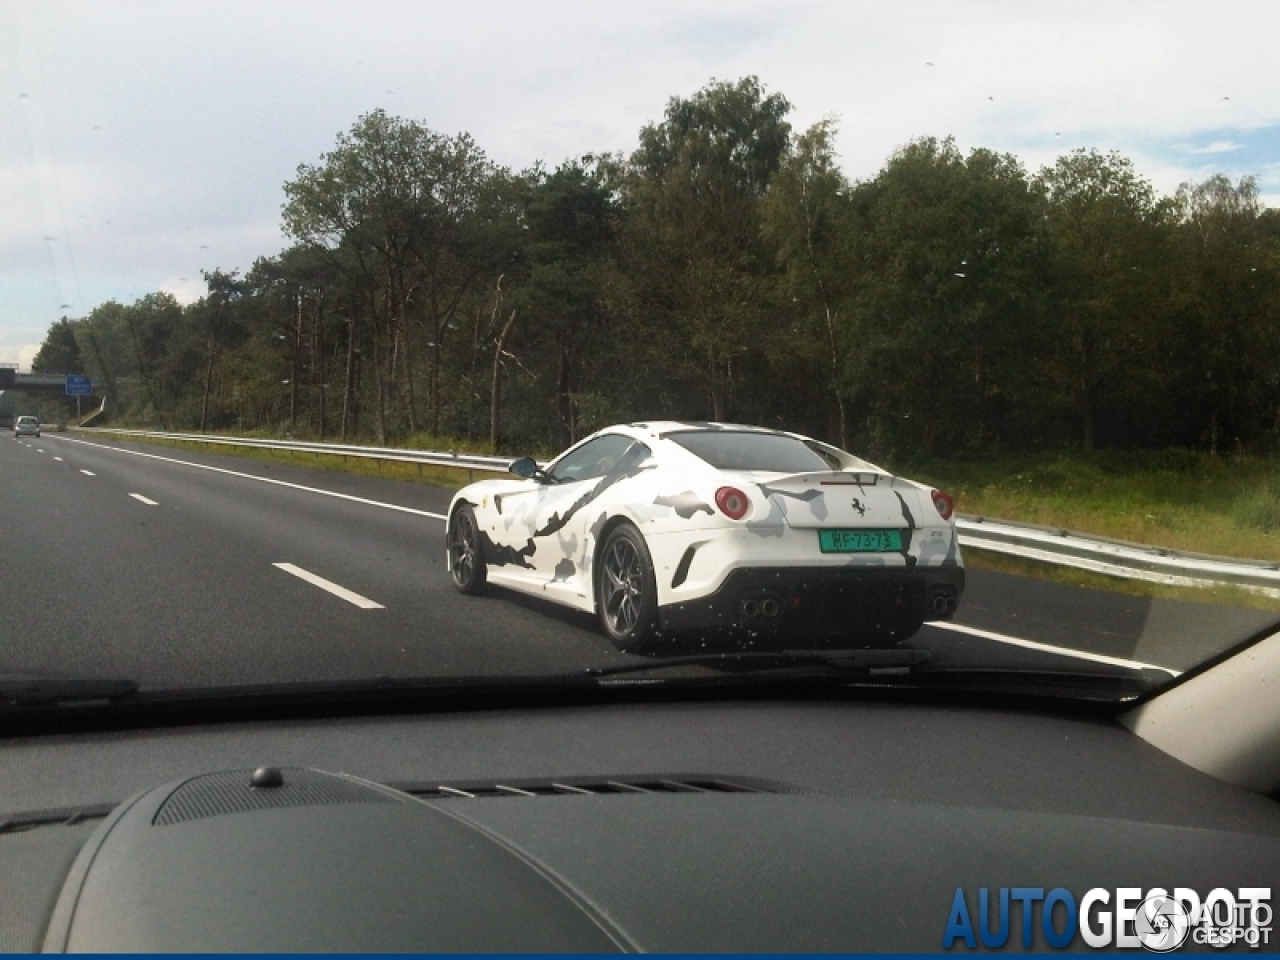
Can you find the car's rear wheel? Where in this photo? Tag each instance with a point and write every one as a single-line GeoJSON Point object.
{"type": "Point", "coordinates": [626, 591]}
{"type": "Point", "coordinates": [466, 553]}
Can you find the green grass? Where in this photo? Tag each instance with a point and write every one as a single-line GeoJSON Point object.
{"type": "Point", "coordinates": [1178, 499]}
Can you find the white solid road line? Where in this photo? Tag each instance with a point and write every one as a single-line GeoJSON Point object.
{"type": "Point", "coordinates": [278, 483]}
{"type": "Point", "coordinates": [364, 603]}
{"type": "Point", "coordinates": [1050, 648]}
{"type": "Point", "coordinates": [88, 473]}
{"type": "Point", "coordinates": [141, 499]}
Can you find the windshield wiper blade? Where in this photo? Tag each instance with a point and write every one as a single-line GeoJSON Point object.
{"type": "Point", "coordinates": [758, 661]}
{"type": "Point", "coordinates": [905, 669]}
{"type": "Point", "coordinates": [27, 689]}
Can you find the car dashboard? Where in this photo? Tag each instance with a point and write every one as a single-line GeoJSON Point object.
{"type": "Point", "coordinates": [845, 824]}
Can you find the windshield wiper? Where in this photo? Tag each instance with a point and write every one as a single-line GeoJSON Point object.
{"type": "Point", "coordinates": [29, 689]}
{"type": "Point", "coordinates": [758, 661]}
{"type": "Point", "coordinates": [906, 669]}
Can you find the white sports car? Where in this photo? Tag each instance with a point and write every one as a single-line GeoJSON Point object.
{"type": "Point", "coordinates": [665, 527]}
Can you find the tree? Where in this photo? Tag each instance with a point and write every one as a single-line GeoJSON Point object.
{"type": "Point", "coordinates": [694, 242]}
{"type": "Point", "coordinates": [570, 220]}
{"type": "Point", "coordinates": [1228, 309]}
{"type": "Point", "coordinates": [1107, 234]}
{"type": "Point", "coordinates": [951, 253]}
{"type": "Point", "coordinates": [60, 352]}
{"type": "Point", "coordinates": [397, 208]}
{"type": "Point", "coordinates": [809, 218]}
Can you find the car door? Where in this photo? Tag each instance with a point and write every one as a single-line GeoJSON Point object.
{"type": "Point", "coordinates": [563, 507]}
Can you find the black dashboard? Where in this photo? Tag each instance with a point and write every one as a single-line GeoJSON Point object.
{"type": "Point", "coordinates": [756, 825]}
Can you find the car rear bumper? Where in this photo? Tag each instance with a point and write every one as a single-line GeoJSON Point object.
{"type": "Point", "coordinates": [850, 599]}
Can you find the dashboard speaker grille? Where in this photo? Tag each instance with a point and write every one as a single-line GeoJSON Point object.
{"type": "Point", "coordinates": [221, 793]}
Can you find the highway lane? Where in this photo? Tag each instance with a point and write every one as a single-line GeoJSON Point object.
{"type": "Point", "coordinates": [182, 568]}
{"type": "Point", "coordinates": [186, 592]}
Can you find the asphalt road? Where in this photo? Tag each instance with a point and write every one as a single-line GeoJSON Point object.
{"type": "Point", "coordinates": [181, 568]}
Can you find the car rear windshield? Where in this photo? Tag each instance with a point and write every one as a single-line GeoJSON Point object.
{"type": "Point", "coordinates": [740, 450]}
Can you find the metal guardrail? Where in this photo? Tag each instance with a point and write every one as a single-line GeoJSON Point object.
{"type": "Point", "coordinates": [1118, 558]}
{"type": "Point", "coordinates": [1115, 558]}
{"type": "Point", "coordinates": [434, 458]}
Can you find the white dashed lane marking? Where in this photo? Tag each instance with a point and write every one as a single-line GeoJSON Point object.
{"type": "Point", "coordinates": [88, 473]}
{"type": "Point", "coordinates": [141, 499]}
{"type": "Point", "coordinates": [59, 459]}
{"type": "Point", "coordinates": [364, 603]}
{"type": "Point", "coordinates": [250, 476]}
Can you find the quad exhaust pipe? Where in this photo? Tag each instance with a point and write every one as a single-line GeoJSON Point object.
{"type": "Point", "coordinates": [944, 604]}
{"type": "Point", "coordinates": [751, 608]}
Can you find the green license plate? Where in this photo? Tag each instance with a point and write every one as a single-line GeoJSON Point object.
{"type": "Point", "coordinates": [860, 541]}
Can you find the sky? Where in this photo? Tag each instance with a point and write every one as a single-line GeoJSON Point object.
{"type": "Point", "coordinates": [144, 142]}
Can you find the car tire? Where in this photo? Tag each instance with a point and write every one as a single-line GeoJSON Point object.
{"type": "Point", "coordinates": [466, 553]}
{"type": "Point", "coordinates": [626, 590]}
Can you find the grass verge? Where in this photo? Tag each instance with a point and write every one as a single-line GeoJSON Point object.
{"type": "Point", "coordinates": [1182, 500]}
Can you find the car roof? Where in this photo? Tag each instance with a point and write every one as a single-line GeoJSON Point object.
{"type": "Point", "coordinates": [658, 428]}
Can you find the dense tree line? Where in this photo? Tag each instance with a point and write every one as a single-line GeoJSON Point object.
{"type": "Point", "coordinates": [726, 269]}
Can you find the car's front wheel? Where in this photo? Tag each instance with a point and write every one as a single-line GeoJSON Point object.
{"type": "Point", "coordinates": [626, 591]}
{"type": "Point", "coordinates": [466, 553]}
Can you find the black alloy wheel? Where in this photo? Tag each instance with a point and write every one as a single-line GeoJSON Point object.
{"type": "Point", "coordinates": [466, 554]}
{"type": "Point", "coordinates": [626, 591]}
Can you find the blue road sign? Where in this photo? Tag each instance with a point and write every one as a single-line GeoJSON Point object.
{"type": "Point", "coordinates": [79, 386]}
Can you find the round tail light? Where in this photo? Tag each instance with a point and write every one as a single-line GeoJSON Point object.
{"type": "Point", "coordinates": [944, 504]}
{"type": "Point", "coordinates": [733, 503]}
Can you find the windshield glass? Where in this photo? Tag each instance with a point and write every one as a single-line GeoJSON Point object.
{"type": "Point", "coordinates": [287, 288]}
{"type": "Point", "coordinates": [733, 450]}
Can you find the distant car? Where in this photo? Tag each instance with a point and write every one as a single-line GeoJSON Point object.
{"type": "Point", "coordinates": [27, 427]}
{"type": "Point", "coordinates": [675, 526]}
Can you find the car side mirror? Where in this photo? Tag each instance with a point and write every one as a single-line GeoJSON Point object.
{"type": "Point", "coordinates": [525, 468]}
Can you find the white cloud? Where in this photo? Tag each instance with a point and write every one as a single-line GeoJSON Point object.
{"type": "Point", "coordinates": [1218, 146]}
{"type": "Point", "coordinates": [184, 289]}
{"type": "Point", "coordinates": [20, 353]}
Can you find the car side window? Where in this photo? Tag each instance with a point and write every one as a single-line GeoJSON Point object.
{"type": "Point", "coordinates": [591, 460]}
